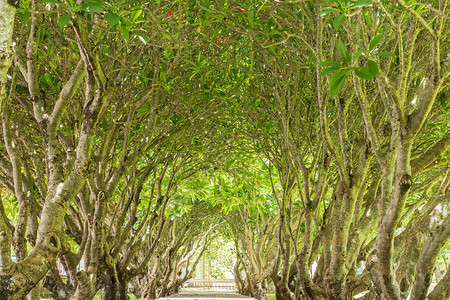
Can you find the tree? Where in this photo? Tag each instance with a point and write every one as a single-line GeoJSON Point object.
{"type": "Point", "coordinates": [81, 133]}
{"type": "Point", "coordinates": [8, 9]}
{"type": "Point", "coordinates": [345, 227]}
{"type": "Point", "coordinates": [62, 183]}
{"type": "Point", "coordinates": [332, 114]}
{"type": "Point", "coordinates": [256, 248]}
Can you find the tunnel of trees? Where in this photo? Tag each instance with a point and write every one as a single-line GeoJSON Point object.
{"type": "Point", "coordinates": [313, 134]}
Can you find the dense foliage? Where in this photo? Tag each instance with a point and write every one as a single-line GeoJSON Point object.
{"type": "Point", "coordinates": [313, 134]}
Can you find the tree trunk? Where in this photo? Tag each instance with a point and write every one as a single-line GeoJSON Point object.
{"type": "Point", "coordinates": [84, 290]}
{"type": "Point", "coordinates": [19, 242]}
{"type": "Point", "coordinates": [53, 282]}
{"type": "Point", "coordinates": [437, 271]}
{"type": "Point", "coordinates": [6, 53]}
{"type": "Point", "coordinates": [6, 56]}
{"type": "Point", "coordinates": [282, 291]}
{"type": "Point", "coordinates": [260, 293]}
{"type": "Point", "coordinates": [442, 289]}
{"type": "Point", "coordinates": [282, 294]}
{"type": "Point", "coordinates": [147, 288]}
{"type": "Point", "coordinates": [176, 288]}
{"type": "Point", "coordinates": [123, 287]}
{"type": "Point", "coordinates": [152, 294]}
{"type": "Point", "coordinates": [334, 289]}
{"type": "Point", "coordinates": [164, 292]}
{"type": "Point", "coordinates": [426, 262]}
{"type": "Point", "coordinates": [35, 293]}
{"type": "Point", "coordinates": [110, 285]}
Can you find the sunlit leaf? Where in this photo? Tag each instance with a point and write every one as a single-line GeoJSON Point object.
{"type": "Point", "coordinates": [374, 41]}
{"type": "Point", "coordinates": [328, 10]}
{"type": "Point", "coordinates": [64, 19]}
{"type": "Point", "coordinates": [329, 63]}
{"type": "Point", "coordinates": [337, 22]}
{"type": "Point", "coordinates": [358, 54]}
{"type": "Point", "coordinates": [361, 3]}
{"type": "Point", "coordinates": [124, 31]}
{"type": "Point", "coordinates": [25, 16]}
{"type": "Point", "coordinates": [364, 73]}
{"type": "Point", "coordinates": [329, 70]}
{"type": "Point", "coordinates": [112, 18]}
{"type": "Point", "coordinates": [373, 67]}
{"type": "Point", "coordinates": [336, 83]}
{"type": "Point", "coordinates": [141, 38]}
{"type": "Point", "coordinates": [92, 8]}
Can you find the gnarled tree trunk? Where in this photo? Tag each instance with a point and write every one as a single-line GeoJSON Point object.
{"type": "Point", "coordinates": [110, 285]}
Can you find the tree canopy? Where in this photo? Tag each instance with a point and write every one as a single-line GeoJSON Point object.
{"type": "Point", "coordinates": [314, 135]}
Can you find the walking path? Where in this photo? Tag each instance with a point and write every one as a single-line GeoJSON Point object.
{"type": "Point", "coordinates": [207, 296]}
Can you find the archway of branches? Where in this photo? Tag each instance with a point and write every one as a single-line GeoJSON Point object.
{"type": "Point", "coordinates": [312, 137]}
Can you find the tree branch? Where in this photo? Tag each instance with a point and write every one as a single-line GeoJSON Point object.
{"type": "Point", "coordinates": [66, 94]}
{"type": "Point", "coordinates": [425, 264]}
{"type": "Point", "coordinates": [430, 155]}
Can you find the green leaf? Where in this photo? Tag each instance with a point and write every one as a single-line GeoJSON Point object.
{"type": "Point", "coordinates": [130, 2]}
{"type": "Point", "coordinates": [373, 67]}
{"type": "Point", "coordinates": [92, 8]}
{"type": "Point", "coordinates": [329, 70]}
{"type": "Point", "coordinates": [358, 54]}
{"type": "Point", "coordinates": [25, 16]}
{"type": "Point", "coordinates": [135, 14]}
{"type": "Point", "coordinates": [76, 8]}
{"type": "Point", "coordinates": [329, 63]}
{"type": "Point", "coordinates": [141, 38]}
{"type": "Point", "coordinates": [336, 83]}
{"type": "Point", "coordinates": [124, 31]}
{"type": "Point", "coordinates": [112, 19]}
{"type": "Point", "coordinates": [52, 1]}
{"type": "Point", "coordinates": [64, 19]}
{"type": "Point", "coordinates": [347, 71]}
{"type": "Point", "coordinates": [385, 54]}
{"type": "Point", "coordinates": [374, 41]}
{"type": "Point", "coordinates": [443, 100]}
{"type": "Point", "coordinates": [364, 73]}
{"type": "Point", "coordinates": [361, 3]}
{"type": "Point", "coordinates": [343, 52]}
{"type": "Point", "coordinates": [337, 22]}
{"type": "Point", "coordinates": [328, 10]}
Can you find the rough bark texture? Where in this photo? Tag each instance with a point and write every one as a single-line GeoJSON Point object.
{"type": "Point", "coordinates": [425, 264]}
{"type": "Point", "coordinates": [8, 11]}
{"type": "Point", "coordinates": [110, 285]}
{"type": "Point", "coordinates": [35, 293]}
{"type": "Point", "coordinates": [442, 289]}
